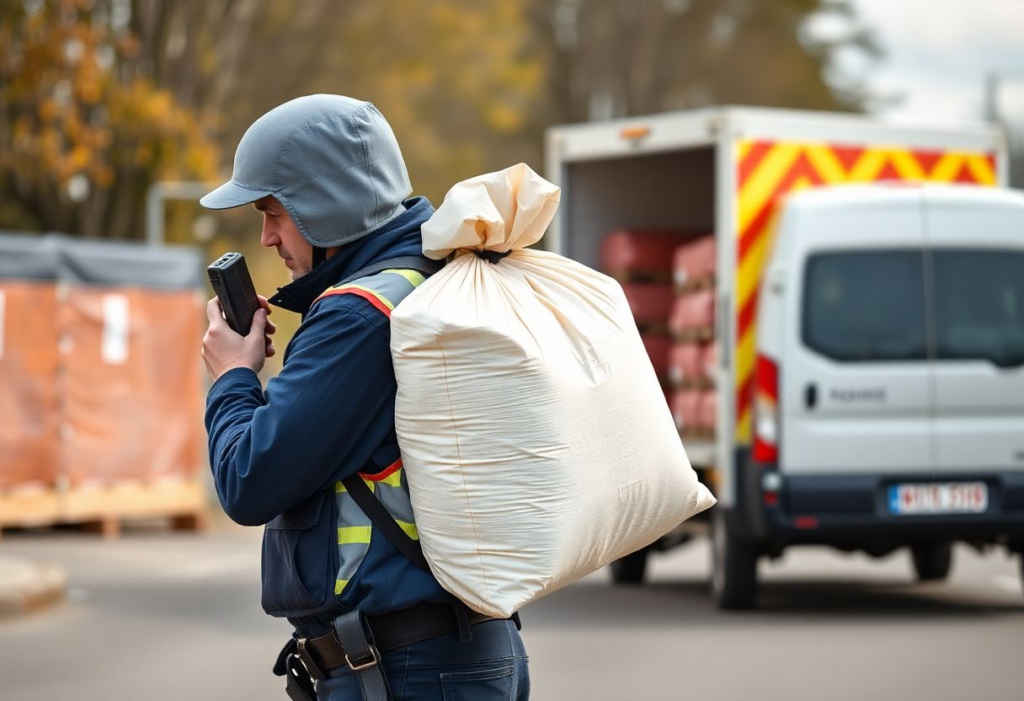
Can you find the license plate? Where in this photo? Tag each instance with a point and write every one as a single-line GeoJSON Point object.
{"type": "Point", "coordinates": [938, 498]}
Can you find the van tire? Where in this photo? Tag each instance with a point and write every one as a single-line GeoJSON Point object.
{"type": "Point", "coordinates": [630, 569]}
{"type": "Point", "coordinates": [932, 561]}
{"type": "Point", "coordinates": [733, 567]}
{"type": "Point", "coordinates": [1022, 570]}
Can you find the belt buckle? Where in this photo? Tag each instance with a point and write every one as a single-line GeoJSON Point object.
{"type": "Point", "coordinates": [306, 656]}
{"type": "Point", "coordinates": [374, 660]}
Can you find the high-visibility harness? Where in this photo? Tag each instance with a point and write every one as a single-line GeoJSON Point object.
{"type": "Point", "coordinates": [384, 290]}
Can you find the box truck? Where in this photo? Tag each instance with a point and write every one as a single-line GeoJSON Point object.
{"type": "Point", "coordinates": [857, 290]}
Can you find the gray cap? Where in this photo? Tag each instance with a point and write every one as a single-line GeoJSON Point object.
{"type": "Point", "coordinates": [332, 161]}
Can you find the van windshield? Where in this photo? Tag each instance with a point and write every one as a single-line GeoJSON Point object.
{"type": "Point", "coordinates": [979, 305]}
{"type": "Point", "coordinates": [865, 306]}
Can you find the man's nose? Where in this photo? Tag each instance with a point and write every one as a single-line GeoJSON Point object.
{"type": "Point", "coordinates": [268, 237]}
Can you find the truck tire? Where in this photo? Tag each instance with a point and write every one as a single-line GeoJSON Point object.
{"type": "Point", "coordinates": [932, 561]}
{"type": "Point", "coordinates": [630, 569]}
{"type": "Point", "coordinates": [733, 568]}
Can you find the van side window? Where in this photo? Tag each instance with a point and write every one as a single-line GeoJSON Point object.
{"type": "Point", "coordinates": [979, 305]}
{"type": "Point", "coordinates": [865, 306]}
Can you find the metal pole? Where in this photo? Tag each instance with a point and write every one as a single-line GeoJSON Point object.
{"type": "Point", "coordinates": [992, 81]}
{"type": "Point", "coordinates": [159, 193]}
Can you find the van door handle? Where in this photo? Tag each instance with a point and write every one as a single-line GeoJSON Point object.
{"type": "Point", "coordinates": [811, 395]}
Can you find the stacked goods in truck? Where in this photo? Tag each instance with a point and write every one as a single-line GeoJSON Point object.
{"type": "Point", "coordinates": [691, 323]}
{"type": "Point", "coordinates": [709, 359]}
{"type": "Point", "coordinates": [694, 263]}
{"type": "Point", "coordinates": [692, 364]}
{"type": "Point", "coordinates": [685, 405]}
{"type": "Point", "coordinates": [707, 413]}
{"type": "Point", "coordinates": [658, 349]}
{"type": "Point", "coordinates": [686, 363]}
{"type": "Point", "coordinates": [642, 262]}
{"type": "Point", "coordinates": [638, 256]}
{"type": "Point", "coordinates": [692, 316]}
{"type": "Point", "coordinates": [650, 304]}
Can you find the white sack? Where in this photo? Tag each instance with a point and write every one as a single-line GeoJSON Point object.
{"type": "Point", "coordinates": [535, 436]}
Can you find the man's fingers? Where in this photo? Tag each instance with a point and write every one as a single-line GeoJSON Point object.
{"type": "Point", "coordinates": [264, 303]}
{"type": "Point", "coordinates": [259, 324]}
{"type": "Point", "coordinates": [271, 327]}
{"type": "Point", "coordinates": [213, 312]}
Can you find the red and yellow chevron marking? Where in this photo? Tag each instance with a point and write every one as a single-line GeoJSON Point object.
{"type": "Point", "coordinates": [767, 170]}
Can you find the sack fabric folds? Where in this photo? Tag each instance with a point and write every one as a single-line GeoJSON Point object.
{"type": "Point", "coordinates": [536, 438]}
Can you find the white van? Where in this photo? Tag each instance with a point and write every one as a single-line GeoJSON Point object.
{"type": "Point", "coordinates": [869, 381]}
{"type": "Point", "coordinates": [889, 389]}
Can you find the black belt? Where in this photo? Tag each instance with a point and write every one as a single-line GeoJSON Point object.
{"type": "Point", "coordinates": [358, 642]}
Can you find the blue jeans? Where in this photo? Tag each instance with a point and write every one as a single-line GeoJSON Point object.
{"type": "Point", "coordinates": [490, 667]}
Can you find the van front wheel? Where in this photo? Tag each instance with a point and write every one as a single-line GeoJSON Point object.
{"type": "Point", "coordinates": [1022, 569]}
{"type": "Point", "coordinates": [733, 567]}
{"type": "Point", "coordinates": [932, 561]}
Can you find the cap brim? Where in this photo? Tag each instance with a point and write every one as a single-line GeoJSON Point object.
{"type": "Point", "coordinates": [231, 195]}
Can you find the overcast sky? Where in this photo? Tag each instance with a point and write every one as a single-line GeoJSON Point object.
{"type": "Point", "coordinates": [938, 53]}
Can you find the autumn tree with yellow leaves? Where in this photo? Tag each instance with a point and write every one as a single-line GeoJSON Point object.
{"type": "Point", "coordinates": [82, 135]}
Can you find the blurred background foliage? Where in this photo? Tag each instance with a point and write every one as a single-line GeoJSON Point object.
{"type": "Point", "coordinates": [101, 98]}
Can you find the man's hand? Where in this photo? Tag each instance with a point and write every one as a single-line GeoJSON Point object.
{"type": "Point", "coordinates": [224, 350]}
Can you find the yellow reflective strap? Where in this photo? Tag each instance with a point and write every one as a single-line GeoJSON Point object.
{"type": "Point", "coordinates": [340, 487]}
{"type": "Point", "coordinates": [384, 300]}
{"type": "Point", "coordinates": [413, 276]}
{"type": "Point", "coordinates": [409, 528]}
{"type": "Point", "coordinates": [339, 586]}
{"type": "Point", "coordinates": [393, 480]}
{"type": "Point", "coordinates": [348, 535]}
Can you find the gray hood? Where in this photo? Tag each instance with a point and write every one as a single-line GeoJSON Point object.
{"type": "Point", "coordinates": [332, 161]}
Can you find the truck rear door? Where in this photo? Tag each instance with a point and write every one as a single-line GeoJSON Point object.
{"type": "Point", "coordinates": [977, 267]}
{"type": "Point", "coordinates": [855, 380]}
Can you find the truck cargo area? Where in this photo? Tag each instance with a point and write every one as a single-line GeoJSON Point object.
{"type": "Point", "coordinates": [671, 193]}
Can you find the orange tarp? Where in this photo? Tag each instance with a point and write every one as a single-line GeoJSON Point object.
{"type": "Point", "coordinates": [132, 381]}
{"type": "Point", "coordinates": [29, 408]}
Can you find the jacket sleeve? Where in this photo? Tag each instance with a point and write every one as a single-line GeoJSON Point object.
{"type": "Point", "coordinates": [317, 422]}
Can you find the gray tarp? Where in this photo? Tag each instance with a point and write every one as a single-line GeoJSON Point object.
{"type": "Point", "coordinates": [29, 257]}
{"type": "Point", "coordinates": [77, 261]}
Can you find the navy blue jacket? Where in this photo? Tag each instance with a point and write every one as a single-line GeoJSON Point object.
{"type": "Point", "coordinates": [277, 453]}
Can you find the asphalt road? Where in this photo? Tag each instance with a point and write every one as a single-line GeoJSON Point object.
{"type": "Point", "coordinates": [169, 616]}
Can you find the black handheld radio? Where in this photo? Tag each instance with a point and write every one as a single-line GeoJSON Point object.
{"type": "Point", "coordinates": [231, 281]}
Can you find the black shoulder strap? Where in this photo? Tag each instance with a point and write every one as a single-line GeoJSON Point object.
{"type": "Point", "coordinates": [380, 518]}
{"type": "Point", "coordinates": [420, 264]}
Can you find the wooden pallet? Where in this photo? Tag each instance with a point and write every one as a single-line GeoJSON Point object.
{"type": "Point", "coordinates": [659, 328]}
{"type": "Point", "coordinates": [696, 285]}
{"type": "Point", "coordinates": [696, 334]}
{"type": "Point", "coordinates": [702, 384]}
{"type": "Point", "coordinates": [624, 277]}
{"type": "Point", "coordinates": [105, 508]}
{"type": "Point", "coordinates": [29, 506]}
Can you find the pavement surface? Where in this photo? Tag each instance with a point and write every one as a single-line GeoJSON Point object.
{"type": "Point", "coordinates": [159, 615]}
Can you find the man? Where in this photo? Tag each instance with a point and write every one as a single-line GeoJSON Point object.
{"type": "Point", "coordinates": [315, 453]}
